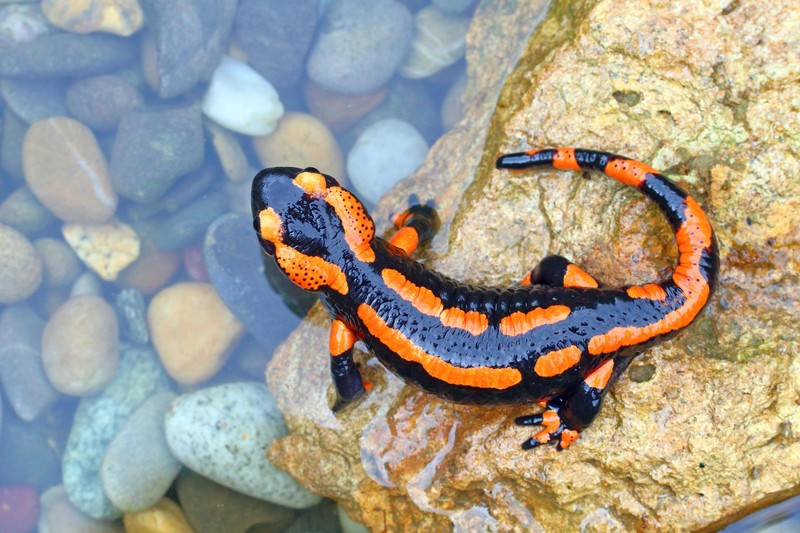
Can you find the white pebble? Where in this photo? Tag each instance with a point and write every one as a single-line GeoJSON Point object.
{"type": "Point", "coordinates": [385, 153]}
{"type": "Point", "coordinates": [239, 99]}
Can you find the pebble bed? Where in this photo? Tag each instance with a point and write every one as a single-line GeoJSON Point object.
{"type": "Point", "coordinates": [136, 314]}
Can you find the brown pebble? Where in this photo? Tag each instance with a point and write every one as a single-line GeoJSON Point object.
{"type": "Point", "coordinates": [164, 517]}
{"type": "Point", "coordinates": [340, 111]}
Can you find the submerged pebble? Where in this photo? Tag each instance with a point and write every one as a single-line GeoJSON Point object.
{"type": "Point", "coordinates": [387, 152]}
{"type": "Point", "coordinates": [120, 17]}
{"type": "Point", "coordinates": [60, 516]}
{"type": "Point", "coordinates": [439, 42]}
{"type": "Point", "coordinates": [34, 100]}
{"type": "Point", "coordinates": [101, 101]}
{"type": "Point", "coordinates": [19, 508]}
{"type": "Point", "coordinates": [224, 433]}
{"type": "Point", "coordinates": [106, 249]}
{"type": "Point", "coordinates": [20, 266]}
{"type": "Point", "coordinates": [163, 517]}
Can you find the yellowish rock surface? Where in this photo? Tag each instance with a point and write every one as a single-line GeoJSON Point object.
{"type": "Point", "coordinates": [301, 140]}
{"type": "Point", "coordinates": [193, 331]}
{"type": "Point", "coordinates": [107, 249]}
{"type": "Point", "coordinates": [699, 430]}
{"type": "Point", "coordinates": [164, 517]}
{"type": "Point", "coordinates": [121, 17]}
{"type": "Point", "coordinates": [67, 171]}
{"type": "Point", "coordinates": [20, 266]}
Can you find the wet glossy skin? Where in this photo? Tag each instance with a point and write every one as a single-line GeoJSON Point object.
{"type": "Point", "coordinates": [557, 336]}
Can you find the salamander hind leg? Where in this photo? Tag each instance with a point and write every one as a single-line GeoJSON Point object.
{"type": "Point", "coordinates": [346, 377]}
{"type": "Point", "coordinates": [557, 271]}
{"type": "Point", "coordinates": [566, 415]}
{"type": "Point", "coordinates": [416, 226]}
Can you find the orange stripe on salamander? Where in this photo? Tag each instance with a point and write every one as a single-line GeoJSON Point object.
{"type": "Point", "coordinates": [692, 237]}
{"type": "Point", "coordinates": [481, 377]}
{"type": "Point", "coordinates": [629, 171]}
{"type": "Point", "coordinates": [598, 378]}
{"type": "Point", "coordinates": [406, 239]}
{"type": "Point", "coordinates": [650, 291]}
{"type": "Point", "coordinates": [519, 323]}
{"type": "Point", "coordinates": [557, 362]}
{"type": "Point", "coordinates": [425, 301]}
{"type": "Point", "coordinates": [564, 159]}
{"type": "Point", "coordinates": [358, 227]}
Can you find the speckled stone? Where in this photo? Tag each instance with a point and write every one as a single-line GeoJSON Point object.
{"type": "Point", "coordinates": [223, 433]}
{"type": "Point", "coordinates": [360, 45]}
{"type": "Point", "coordinates": [98, 419]}
{"type": "Point", "coordinates": [101, 101]}
{"type": "Point", "coordinates": [138, 467]}
{"type": "Point", "coordinates": [106, 249]}
{"type": "Point", "coordinates": [120, 17]}
{"type": "Point", "coordinates": [80, 345]}
{"type": "Point", "coordinates": [132, 311]}
{"type": "Point", "coordinates": [20, 266]}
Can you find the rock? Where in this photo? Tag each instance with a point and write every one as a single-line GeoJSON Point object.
{"type": "Point", "coordinates": [98, 419]}
{"type": "Point", "coordinates": [360, 45]}
{"type": "Point", "coordinates": [138, 467]}
{"type": "Point", "coordinates": [87, 284]}
{"type": "Point", "coordinates": [19, 509]}
{"type": "Point", "coordinates": [152, 270]}
{"type": "Point", "coordinates": [229, 152]}
{"type": "Point", "coordinates": [20, 23]}
{"type": "Point", "coordinates": [23, 212]}
{"type": "Point", "coordinates": [183, 192]}
{"type": "Point", "coordinates": [61, 265]}
{"type": "Point", "coordinates": [705, 383]}
{"type": "Point", "coordinates": [20, 266]}
{"type": "Point", "coordinates": [188, 224]}
{"type": "Point", "coordinates": [211, 508]}
{"type": "Point", "coordinates": [349, 525]}
{"type": "Point", "coordinates": [302, 141]}
{"type": "Point", "coordinates": [188, 40]}
{"type": "Point", "coordinates": [236, 268]}
{"type": "Point", "coordinates": [320, 519]}
{"type": "Point", "coordinates": [153, 148]}
{"type": "Point", "coordinates": [406, 100]}
{"type": "Point", "coordinates": [223, 433]}
{"type": "Point", "coordinates": [387, 152]}
{"type": "Point", "coordinates": [80, 346]}
{"type": "Point", "coordinates": [21, 371]}
{"type": "Point", "coordinates": [192, 331]}
{"type": "Point", "coordinates": [101, 101]}
{"type": "Point", "coordinates": [27, 454]}
{"type": "Point", "coordinates": [133, 312]}
{"type": "Point", "coordinates": [239, 99]}
{"type": "Point", "coordinates": [33, 100]}
{"type": "Point", "coordinates": [14, 129]}
{"type": "Point", "coordinates": [60, 516]}
{"type": "Point", "coordinates": [66, 170]}
{"type": "Point", "coordinates": [439, 43]}
{"type": "Point", "coordinates": [164, 517]}
{"type": "Point", "coordinates": [453, 6]}
{"type": "Point", "coordinates": [106, 249]}
{"type": "Point", "coordinates": [452, 108]}
{"type": "Point", "coordinates": [339, 111]}
{"type": "Point", "coordinates": [66, 55]}
{"type": "Point", "coordinates": [276, 36]}
{"type": "Point", "coordinates": [120, 17]}
{"type": "Point", "coordinates": [194, 263]}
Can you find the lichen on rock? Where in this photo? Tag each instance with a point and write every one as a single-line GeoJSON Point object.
{"type": "Point", "coordinates": [699, 430]}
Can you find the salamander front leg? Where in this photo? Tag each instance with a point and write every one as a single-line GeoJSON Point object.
{"type": "Point", "coordinates": [344, 371]}
{"type": "Point", "coordinates": [416, 226]}
{"type": "Point", "coordinates": [566, 415]}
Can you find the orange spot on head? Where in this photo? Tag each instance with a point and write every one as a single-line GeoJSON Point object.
{"type": "Point", "coordinates": [269, 224]}
{"type": "Point", "coordinates": [598, 378]}
{"type": "Point", "coordinates": [577, 277]}
{"type": "Point", "coordinates": [480, 377]}
{"type": "Point", "coordinates": [311, 182]}
{"type": "Point", "coordinates": [564, 159]}
{"type": "Point", "coordinates": [519, 323]}
{"type": "Point", "coordinates": [557, 362]}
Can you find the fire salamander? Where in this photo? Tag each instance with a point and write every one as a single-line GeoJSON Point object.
{"type": "Point", "coordinates": [559, 337]}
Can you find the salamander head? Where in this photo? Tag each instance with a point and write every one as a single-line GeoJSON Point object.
{"type": "Point", "coordinates": [311, 225]}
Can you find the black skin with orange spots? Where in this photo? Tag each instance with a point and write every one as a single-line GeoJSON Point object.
{"type": "Point", "coordinates": [558, 336]}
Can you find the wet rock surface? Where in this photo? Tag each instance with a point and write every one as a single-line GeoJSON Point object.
{"type": "Point", "coordinates": [672, 449]}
